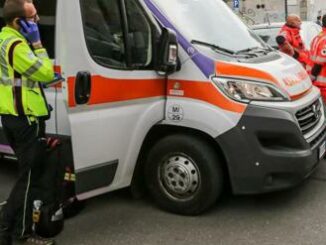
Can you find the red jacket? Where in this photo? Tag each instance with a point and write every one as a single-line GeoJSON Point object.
{"type": "Point", "coordinates": [294, 45]}
{"type": "Point", "coordinates": [318, 56]}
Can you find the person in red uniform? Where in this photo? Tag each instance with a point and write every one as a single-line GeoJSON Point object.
{"type": "Point", "coordinates": [318, 58]}
{"type": "Point", "coordinates": [290, 41]}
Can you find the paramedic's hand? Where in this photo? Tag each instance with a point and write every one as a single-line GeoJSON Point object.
{"type": "Point", "coordinates": [57, 79]}
{"type": "Point", "coordinates": [316, 70]}
{"type": "Point", "coordinates": [280, 40]}
{"type": "Point", "coordinates": [57, 75]}
{"type": "Point", "coordinates": [31, 32]}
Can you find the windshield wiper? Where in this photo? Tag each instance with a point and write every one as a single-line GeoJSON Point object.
{"type": "Point", "coordinates": [247, 50]}
{"type": "Point", "coordinates": [213, 46]}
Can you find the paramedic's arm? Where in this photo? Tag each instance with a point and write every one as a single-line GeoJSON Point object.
{"type": "Point", "coordinates": [36, 65]}
{"type": "Point", "coordinates": [285, 46]}
{"type": "Point", "coordinates": [318, 66]}
{"type": "Point", "coordinates": [316, 69]}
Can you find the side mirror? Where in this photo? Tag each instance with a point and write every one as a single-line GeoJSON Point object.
{"type": "Point", "coordinates": [167, 62]}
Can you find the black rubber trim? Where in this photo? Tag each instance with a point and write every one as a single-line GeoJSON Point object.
{"type": "Point", "coordinates": [266, 151]}
{"type": "Point", "coordinates": [95, 177]}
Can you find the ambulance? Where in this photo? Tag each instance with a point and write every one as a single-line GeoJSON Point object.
{"type": "Point", "coordinates": [180, 95]}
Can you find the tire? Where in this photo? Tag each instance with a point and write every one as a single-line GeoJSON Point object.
{"type": "Point", "coordinates": [184, 174]}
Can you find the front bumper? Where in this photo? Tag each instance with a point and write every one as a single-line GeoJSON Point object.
{"type": "Point", "coordinates": [267, 151]}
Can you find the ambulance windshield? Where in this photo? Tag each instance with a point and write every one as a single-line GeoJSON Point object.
{"type": "Point", "coordinates": [211, 22]}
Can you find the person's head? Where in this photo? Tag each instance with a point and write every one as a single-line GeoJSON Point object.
{"type": "Point", "coordinates": [13, 10]}
{"type": "Point", "coordinates": [294, 20]}
{"type": "Point", "coordinates": [319, 17]}
{"type": "Point", "coordinates": [324, 21]}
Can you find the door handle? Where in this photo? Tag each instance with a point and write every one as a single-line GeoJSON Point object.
{"type": "Point", "coordinates": [83, 87]}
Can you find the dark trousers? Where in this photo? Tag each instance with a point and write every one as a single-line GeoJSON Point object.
{"type": "Point", "coordinates": [27, 140]}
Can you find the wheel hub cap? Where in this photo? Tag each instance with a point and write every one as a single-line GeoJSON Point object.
{"type": "Point", "coordinates": [179, 176]}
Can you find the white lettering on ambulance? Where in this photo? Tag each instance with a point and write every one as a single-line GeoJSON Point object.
{"type": "Point", "coordinates": [296, 79]}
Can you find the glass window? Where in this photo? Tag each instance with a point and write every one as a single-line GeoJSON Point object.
{"type": "Point", "coordinates": [309, 32]}
{"type": "Point", "coordinates": [139, 33]}
{"type": "Point", "coordinates": [209, 21]}
{"type": "Point", "coordinates": [47, 13]}
{"type": "Point", "coordinates": [103, 32]}
{"type": "Point", "coordinates": [2, 22]}
{"type": "Point", "coordinates": [268, 35]}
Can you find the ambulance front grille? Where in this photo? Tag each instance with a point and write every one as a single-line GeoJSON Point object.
{"type": "Point", "coordinates": [309, 117]}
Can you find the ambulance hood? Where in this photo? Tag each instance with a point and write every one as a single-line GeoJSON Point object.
{"type": "Point", "coordinates": [284, 73]}
{"type": "Point", "coordinates": [211, 25]}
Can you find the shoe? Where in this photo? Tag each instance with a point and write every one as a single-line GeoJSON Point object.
{"type": "Point", "coordinates": [37, 240]}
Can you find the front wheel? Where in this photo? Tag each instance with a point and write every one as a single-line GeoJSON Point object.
{"type": "Point", "coordinates": [184, 174]}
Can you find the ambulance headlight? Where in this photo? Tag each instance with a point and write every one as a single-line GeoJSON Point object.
{"type": "Point", "coordinates": [246, 91]}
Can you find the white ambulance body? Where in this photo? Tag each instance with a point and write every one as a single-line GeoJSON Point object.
{"type": "Point", "coordinates": [230, 109]}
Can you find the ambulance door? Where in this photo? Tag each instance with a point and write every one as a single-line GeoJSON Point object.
{"type": "Point", "coordinates": [113, 94]}
{"type": "Point", "coordinates": [57, 125]}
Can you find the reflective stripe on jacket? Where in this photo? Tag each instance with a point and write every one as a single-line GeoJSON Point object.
{"type": "Point", "coordinates": [21, 72]}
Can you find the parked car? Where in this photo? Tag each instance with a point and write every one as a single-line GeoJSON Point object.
{"type": "Point", "coordinates": [268, 32]}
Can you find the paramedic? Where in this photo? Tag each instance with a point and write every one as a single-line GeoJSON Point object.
{"type": "Point", "coordinates": [319, 16]}
{"type": "Point", "coordinates": [318, 58]}
{"type": "Point", "coordinates": [290, 42]}
{"type": "Point", "coordinates": [24, 63]}
{"type": "Point", "coordinates": [318, 21]}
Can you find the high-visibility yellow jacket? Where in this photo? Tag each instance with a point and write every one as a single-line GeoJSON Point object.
{"type": "Point", "coordinates": [21, 72]}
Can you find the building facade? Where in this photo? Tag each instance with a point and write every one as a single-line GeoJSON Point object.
{"type": "Point", "coordinates": [264, 11]}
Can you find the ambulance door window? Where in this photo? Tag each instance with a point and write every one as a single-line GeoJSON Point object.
{"type": "Point", "coordinates": [2, 22]}
{"type": "Point", "coordinates": [139, 35]}
{"type": "Point", "coordinates": [47, 12]}
{"type": "Point", "coordinates": [103, 32]}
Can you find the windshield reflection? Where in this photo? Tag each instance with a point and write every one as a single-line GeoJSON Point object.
{"type": "Point", "coordinates": [210, 21]}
